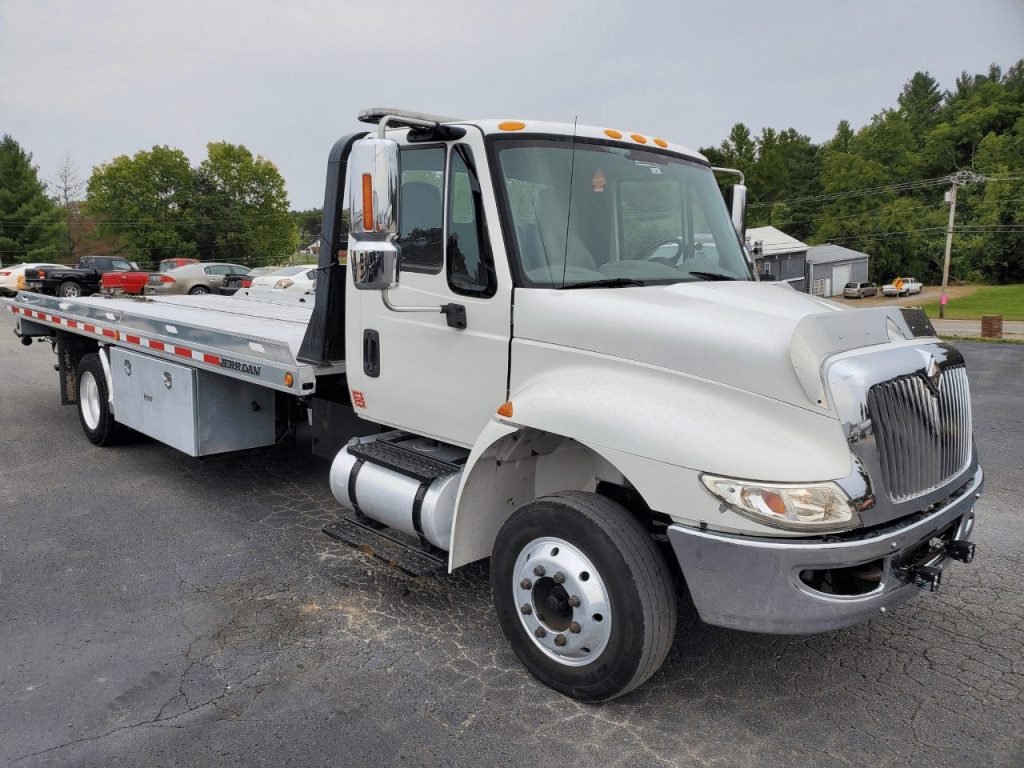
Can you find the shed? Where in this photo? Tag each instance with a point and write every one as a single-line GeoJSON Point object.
{"type": "Point", "coordinates": [777, 254]}
{"type": "Point", "coordinates": [830, 267]}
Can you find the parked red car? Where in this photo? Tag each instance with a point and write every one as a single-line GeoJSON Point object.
{"type": "Point", "coordinates": [131, 283]}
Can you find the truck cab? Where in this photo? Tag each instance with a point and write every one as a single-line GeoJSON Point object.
{"type": "Point", "coordinates": [564, 317]}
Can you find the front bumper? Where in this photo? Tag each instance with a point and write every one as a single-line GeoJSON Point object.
{"type": "Point", "coordinates": [755, 584]}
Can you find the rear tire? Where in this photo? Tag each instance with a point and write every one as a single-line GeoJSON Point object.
{"type": "Point", "coordinates": [69, 289]}
{"type": "Point", "coordinates": [198, 290]}
{"type": "Point", "coordinates": [93, 403]}
{"type": "Point", "coordinates": [597, 616]}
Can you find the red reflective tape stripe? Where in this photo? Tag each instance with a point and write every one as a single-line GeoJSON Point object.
{"type": "Point", "coordinates": [211, 359]}
{"type": "Point", "coordinates": [157, 345]}
{"type": "Point", "coordinates": [183, 352]}
{"type": "Point", "coordinates": [89, 328]}
{"type": "Point", "coordinates": [111, 334]}
{"type": "Point", "coordinates": [132, 339]}
{"type": "Point", "coordinates": [72, 324]}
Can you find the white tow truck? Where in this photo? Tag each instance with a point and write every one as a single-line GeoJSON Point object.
{"type": "Point", "coordinates": [546, 344]}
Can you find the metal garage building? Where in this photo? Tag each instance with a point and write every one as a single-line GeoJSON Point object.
{"type": "Point", "coordinates": [778, 255]}
{"type": "Point", "coordinates": [830, 267]}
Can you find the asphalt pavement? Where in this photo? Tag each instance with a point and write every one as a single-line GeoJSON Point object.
{"type": "Point", "coordinates": [167, 611]}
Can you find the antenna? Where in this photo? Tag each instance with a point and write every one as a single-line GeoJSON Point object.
{"type": "Point", "coordinates": [568, 213]}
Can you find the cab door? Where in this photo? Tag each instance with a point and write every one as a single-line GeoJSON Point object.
{"type": "Point", "coordinates": [417, 371]}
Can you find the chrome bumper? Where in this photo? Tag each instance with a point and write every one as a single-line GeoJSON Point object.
{"type": "Point", "coordinates": [754, 584]}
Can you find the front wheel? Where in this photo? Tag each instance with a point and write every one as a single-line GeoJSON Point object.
{"type": "Point", "coordinates": [583, 595]}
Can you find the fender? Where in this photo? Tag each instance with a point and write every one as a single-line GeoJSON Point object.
{"type": "Point", "coordinates": [665, 427]}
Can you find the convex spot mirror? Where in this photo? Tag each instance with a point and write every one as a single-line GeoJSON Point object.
{"type": "Point", "coordinates": [374, 266]}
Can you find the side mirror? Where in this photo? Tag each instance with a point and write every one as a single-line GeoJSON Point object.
{"type": "Point", "coordinates": [736, 200]}
{"type": "Point", "coordinates": [372, 203]}
{"type": "Point", "coordinates": [374, 265]}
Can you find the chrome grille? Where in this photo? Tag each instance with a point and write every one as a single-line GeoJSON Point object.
{"type": "Point", "coordinates": [922, 430]}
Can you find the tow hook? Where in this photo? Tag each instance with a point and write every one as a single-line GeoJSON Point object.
{"type": "Point", "coordinates": [960, 550]}
{"type": "Point", "coordinates": [927, 577]}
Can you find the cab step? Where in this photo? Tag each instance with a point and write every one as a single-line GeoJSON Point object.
{"type": "Point", "coordinates": [393, 547]}
{"type": "Point", "coordinates": [406, 454]}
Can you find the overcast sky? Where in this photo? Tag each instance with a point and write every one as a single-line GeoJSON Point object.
{"type": "Point", "coordinates": [97, 78]}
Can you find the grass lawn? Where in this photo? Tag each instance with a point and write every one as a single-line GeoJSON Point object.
{"type": "Point", "coordinates": [1005, 300]}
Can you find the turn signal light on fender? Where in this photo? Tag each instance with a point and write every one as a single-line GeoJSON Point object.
{"type": "Point", "coordinates": [505, 409]}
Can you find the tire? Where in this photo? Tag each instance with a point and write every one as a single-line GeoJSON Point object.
{"type": "Point", "coordinates": [69, 289]}
{"type": "Point", "coordinates": [606, 556]}
{"type": "Point", "coordinates": [198, 290]}
{"type": "Point", "coordinates": [94, 411]}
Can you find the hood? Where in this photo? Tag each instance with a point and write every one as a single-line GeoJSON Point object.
{"type": "Point", "coordinates": [757, 337]}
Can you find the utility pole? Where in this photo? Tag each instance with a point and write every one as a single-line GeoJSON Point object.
{"type": "Point", "coordinates": [956, 180]}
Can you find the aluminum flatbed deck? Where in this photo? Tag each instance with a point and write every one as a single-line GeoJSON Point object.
{"type": "Point", "coordinates": [249, 337]}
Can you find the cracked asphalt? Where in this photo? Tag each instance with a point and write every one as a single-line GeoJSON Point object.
{"type": "Point", "coordinates": [161, 610]}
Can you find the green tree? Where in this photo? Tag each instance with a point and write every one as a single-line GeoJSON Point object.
{"type": "Point", "coordinates": [241, 208]}
{"type": "Point", "coordinates": [145, 201]}
{"type": "Point", "coordinates": [31, 225]}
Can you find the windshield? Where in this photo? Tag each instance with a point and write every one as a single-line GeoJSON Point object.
{"type": "Point", "coordinates": [629, 216]}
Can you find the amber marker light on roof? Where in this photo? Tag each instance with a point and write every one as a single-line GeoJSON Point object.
{"type": "Point", "coordinates": [638, 138]}
{"type": "Point", "coordinates": [612, 133]}
{"type": "Point", "coordinates": [511, 125]}
{"type": "Point", "coordinates": [367, 203]}
{"type": "Point", "coordinates": [661, 143]}
{"type": "Point", "coordinates": [505, 409]}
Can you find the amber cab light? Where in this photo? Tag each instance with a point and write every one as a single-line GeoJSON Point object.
{"type": "Point", "coordinates": [367, 203]}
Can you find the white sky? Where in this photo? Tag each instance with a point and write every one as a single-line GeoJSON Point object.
{"type": "Point", "coordinates": [98, 79]}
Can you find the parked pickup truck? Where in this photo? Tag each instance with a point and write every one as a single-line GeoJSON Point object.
{"type": "Point", "coordinates": [519, 352]}
{"type": "Point", "coordinates": [81, 280]}
{"type": "Point", "coordinates": [132, 283]}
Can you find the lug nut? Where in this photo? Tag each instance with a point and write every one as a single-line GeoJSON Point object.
{"type": "Point", "coordinates": [540, 632]}
{"type": "Point", "coordinates": [559, 578]}
{"type": "Point", "coordinates": [575, 627]}
{"type": "Point", "coordinates": [539, 571]}
{"type": "Point", "coordinates": [574, 601]}
{"type": "Point", "coordinates": [525, 584]}
{"type": "Point", "coordinates": [559, 640]}
{"type": "Point", "coordinates": [526, 609]}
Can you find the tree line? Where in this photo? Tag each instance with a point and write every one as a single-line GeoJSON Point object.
{"type": "Point", "coordinates": [153, 205]}
{"type": "Point", "coordinates": [880, 189]}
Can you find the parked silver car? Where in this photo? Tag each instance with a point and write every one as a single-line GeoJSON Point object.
{"type": "Point", "coordinates": [859, 290]}
{"type": "Point", "coordinates": [193, 279]}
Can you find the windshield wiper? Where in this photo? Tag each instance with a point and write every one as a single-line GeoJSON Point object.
{"type": "Point", "coordinates": [612, 282]}
{"type": "Point", "coordinates": [712, 276]}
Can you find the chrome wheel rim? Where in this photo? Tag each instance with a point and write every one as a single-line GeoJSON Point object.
{"type": "Point", "coordinates": [562, 601]}
{"type": "Point", "coordinates": [70, 291]}
{"type": "Point", "coordinates": [89, 400]}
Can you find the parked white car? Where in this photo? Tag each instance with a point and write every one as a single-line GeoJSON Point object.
{"type": "Point", "coordinates": [297, 279]}
{"type": "Point", "coordinates": [12, 279]}
{"type": "Point", "coordinates": [910, 285]}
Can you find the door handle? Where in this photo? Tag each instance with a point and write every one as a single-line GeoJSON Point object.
{"type": "Point", "coordinates": [371, 353]}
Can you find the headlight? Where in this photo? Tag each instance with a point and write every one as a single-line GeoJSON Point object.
{"type": "Point", "coordinates": [819, 506]}
{"type": "Point", "coordinates": [283, 283]}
